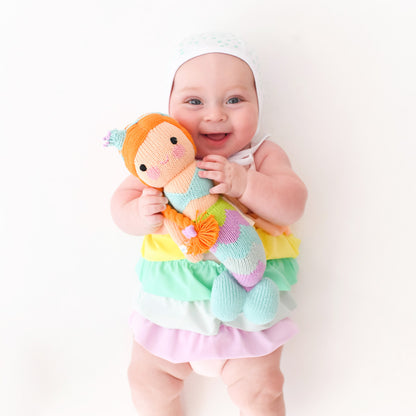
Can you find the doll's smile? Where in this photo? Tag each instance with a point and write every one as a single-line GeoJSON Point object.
{"type": "Point", "coordinates": [163, 162]}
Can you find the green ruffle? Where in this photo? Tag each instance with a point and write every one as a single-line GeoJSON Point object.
{"type": "Point", "coordinates": [186, 281]}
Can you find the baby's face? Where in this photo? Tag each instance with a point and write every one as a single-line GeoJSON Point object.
{"type": "Point", "coordinates": [214, 97]}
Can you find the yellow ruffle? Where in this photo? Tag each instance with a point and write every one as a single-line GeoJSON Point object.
{"type": "Point", "coordinates": [161, 247]}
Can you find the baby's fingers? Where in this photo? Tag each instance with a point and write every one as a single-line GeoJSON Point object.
{"type": "Point", "coordinates": [149, 200]}
{"type": "Point", "coordinates": [216, 176]}
{"type": "Point", "coordinates": [155, 220]}
{"type": "Point", "coordinates": [208, 166]}
{"type": "Point", "coordinates": [152, 209]}
{"type": "Point", "coordinates": [150, 205]}
{"type": "Point", "coordinates": [221, 188]}
{"type": "Point", "coordinates": [215, 158]}
{"type": "Point", "coordinates": [151, 192]}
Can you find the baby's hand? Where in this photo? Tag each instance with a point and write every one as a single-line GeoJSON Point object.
{"type": "Point", "coordinates": [151, 203]}
{"type": "Point", "coordinates": [230, 178]}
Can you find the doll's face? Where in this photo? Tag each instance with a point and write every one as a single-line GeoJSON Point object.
{"type": "Point", "coordinates": [165, 152]}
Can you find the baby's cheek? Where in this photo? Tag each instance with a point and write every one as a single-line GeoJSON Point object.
{"type": "Point", "coordinates": [153, 173]}
{"type": "Point", "coordinates": [178, 151]}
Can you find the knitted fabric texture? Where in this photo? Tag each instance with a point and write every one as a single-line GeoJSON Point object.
{"type": "Point", "coordinates": [136, 133]}
{"type": "Point", "coordinates": [238, 245]}
{"type": "Point", "coordinates": [198, 188]}
{"type": "Point", "coordinates": [161, 154]}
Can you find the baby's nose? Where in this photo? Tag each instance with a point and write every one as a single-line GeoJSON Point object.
{"type": "Point", "coordinates": [215, 114]}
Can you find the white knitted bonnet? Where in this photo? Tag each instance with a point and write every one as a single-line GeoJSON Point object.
{"type": "Point", "coordinates": [227, 43]}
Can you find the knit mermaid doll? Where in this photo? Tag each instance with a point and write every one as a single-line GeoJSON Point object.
{"type": "Point", "coordinates": [161, 153]}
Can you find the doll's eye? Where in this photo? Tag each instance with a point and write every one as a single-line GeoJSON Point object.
{"type": "Point", "coordinates": [143, 168]}
{"type": "Point", "coordinates": [173, 140]}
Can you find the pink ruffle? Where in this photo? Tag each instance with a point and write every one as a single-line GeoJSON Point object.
{"type": "Point", "coordinates": [180, 346]}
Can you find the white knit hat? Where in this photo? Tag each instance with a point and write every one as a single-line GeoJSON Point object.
{"type": "Point", "coordinates": [204, 43]}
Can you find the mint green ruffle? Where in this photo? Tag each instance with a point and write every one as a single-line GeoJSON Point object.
{"type": "Point", "coordinates": [186, 281]}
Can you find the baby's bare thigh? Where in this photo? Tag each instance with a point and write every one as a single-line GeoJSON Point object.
{"type": "Point", "coordinates": [156, 384]}
{"type": "Point", "coordinates": [155, 370]}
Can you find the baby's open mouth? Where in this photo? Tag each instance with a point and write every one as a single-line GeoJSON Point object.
{"type": "Point", "coordinates": [216, 136]}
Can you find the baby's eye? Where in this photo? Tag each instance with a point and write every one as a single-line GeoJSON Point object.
{"type": "Point", "coordinates": [234, 100]}
{"type": "Point", "coordinates": [143, 168]}
{"type": "Point", "coordinates": [194, 101]}
{"type": "Point", "coordinates": [173, 140]}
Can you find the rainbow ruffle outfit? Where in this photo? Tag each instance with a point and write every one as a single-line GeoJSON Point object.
{"type": "Point", "coordinates": [172, 317]}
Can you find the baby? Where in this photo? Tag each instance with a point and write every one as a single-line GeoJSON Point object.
{"type": "Point", "coordinates": [216, 95]}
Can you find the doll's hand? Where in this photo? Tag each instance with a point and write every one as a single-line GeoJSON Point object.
{"type": "Point", "coordinates": [230, 178]}
{"type": "Point", "coordinates": [179, 238]}
{"type": "Point", "coordinates": [151, 203]}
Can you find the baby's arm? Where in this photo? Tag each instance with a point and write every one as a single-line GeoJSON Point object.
{"type": "Point", "coordinates": [273, 192]}
{"type": "Point", "coordinates": [136, 209]}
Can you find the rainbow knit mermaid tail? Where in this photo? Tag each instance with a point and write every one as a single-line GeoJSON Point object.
{"type": "Point", "coordinates": [229, 299]}
{"type": "Point", "coordinates": [238, 245]}
{"type": "Point", "coordinates": [242, 287]}
{"type": "Point", "coordinates": [239, 248]}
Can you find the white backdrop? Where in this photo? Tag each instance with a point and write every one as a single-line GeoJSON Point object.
{"type": "Point", "coordinates": [340, 98]}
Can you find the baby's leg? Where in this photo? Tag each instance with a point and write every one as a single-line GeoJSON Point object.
{"type": "Point", "coordinates": [255, 384]}
{"type": "Point", "coordinates": [156, 384]}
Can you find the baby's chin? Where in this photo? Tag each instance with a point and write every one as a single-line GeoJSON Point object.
{"type": "Point", "coordinates": [219, 152]}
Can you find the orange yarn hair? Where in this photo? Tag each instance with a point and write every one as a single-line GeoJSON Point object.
{"type": "Point", "coordinates": [206, 230]}
{"type": "Point", "coordinates": [137, 132]}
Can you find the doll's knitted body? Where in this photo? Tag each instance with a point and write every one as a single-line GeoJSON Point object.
{"type": "Point", "coordinates": [161, 154]}
{"type": "Point", "coordinates": [238, 247]}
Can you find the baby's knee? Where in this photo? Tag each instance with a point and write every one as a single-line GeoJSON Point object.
{"type": "Point", "coordinates": [271, 388]}
{"type": "Point", "coordinates": [263, 391]}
